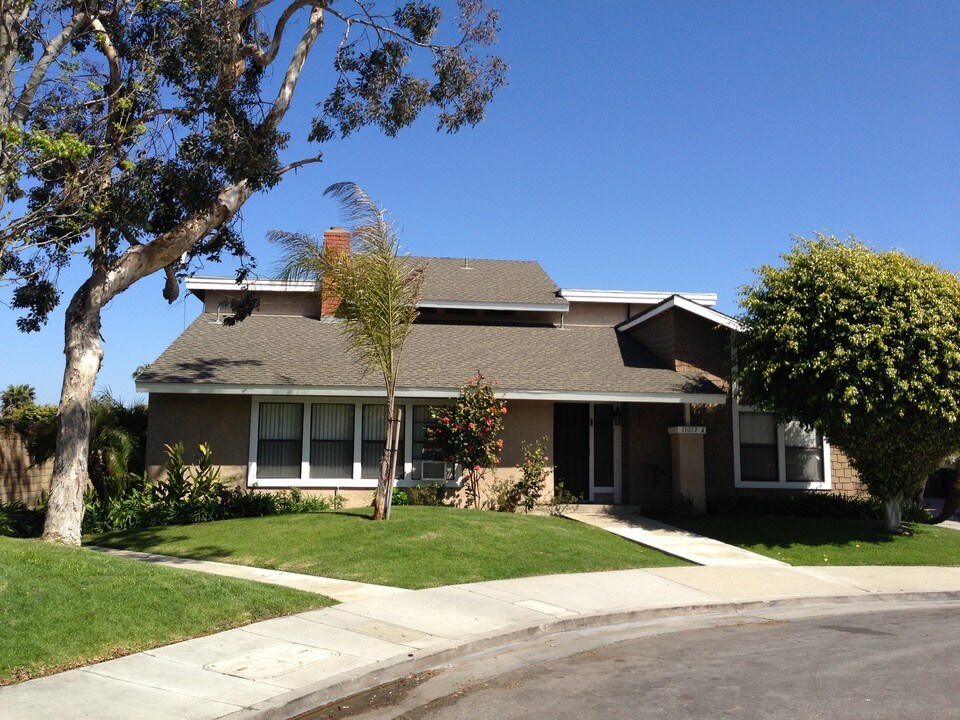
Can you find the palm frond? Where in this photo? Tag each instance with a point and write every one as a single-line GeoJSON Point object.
{"type": "Point", "coordinates": [301, 256]}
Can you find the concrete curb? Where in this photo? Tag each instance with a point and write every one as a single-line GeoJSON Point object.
{"type": "Point", "coordinates": [334, 689]}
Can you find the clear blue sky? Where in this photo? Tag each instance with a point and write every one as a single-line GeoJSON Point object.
{"type": "Point", "coordinates": [639, 146]}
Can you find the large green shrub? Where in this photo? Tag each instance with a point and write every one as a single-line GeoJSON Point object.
{"type": "Point", "coordinates": [864, 346]}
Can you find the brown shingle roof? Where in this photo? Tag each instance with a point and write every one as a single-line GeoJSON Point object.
{"type": "Point", "coordinates": [487, 281]}
{"type": "Point", "coordinates": [269, 351]}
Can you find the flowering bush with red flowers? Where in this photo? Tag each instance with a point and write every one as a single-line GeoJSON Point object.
{"type": "Point", "coordinates": [465, 432]}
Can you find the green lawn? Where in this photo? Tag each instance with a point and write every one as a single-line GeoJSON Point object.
{"type": "Point", "coordinates": [810, 541]}
{"type": "Point", "coordinates": [418, 547]}
{"type": "Point", "coordinates": [62, 607]}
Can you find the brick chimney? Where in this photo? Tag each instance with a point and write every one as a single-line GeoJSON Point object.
{"type": "Point", "coordinates": [336, 241]}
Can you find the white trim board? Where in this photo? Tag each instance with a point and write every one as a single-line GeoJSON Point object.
{"type": "Point", "coordinates": [634, 297]}
{"type": "Point", "coordinates": [428, 393]}
{"type": "Point", "coordinates": [682, 303]}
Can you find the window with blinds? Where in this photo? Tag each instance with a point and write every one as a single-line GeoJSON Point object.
{"type": "Point", "coordinates": [279, 440]}
{"type": "Point", "coordinates": [373, 439]}
{"type": "Point", "coordinates": [331, 440]}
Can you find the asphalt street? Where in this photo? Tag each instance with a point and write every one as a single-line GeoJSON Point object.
{"type": "Point", "coordinates": [839, 663]}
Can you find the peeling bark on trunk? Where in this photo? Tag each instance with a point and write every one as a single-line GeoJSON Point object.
{"type": "Point", "coordinates": [70, 478]}
{"type": "Point", "coordinates": [892, 519]}
{"type": "Point", "coordinates": [84, 353]}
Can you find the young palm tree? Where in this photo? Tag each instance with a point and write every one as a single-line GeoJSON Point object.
{"type": "Point", "coordinates": [379, 290]}
{"type": "Point", "coordinates": [16, 396]}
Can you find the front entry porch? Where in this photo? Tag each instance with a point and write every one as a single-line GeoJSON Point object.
{"type": "Point", "coordinates": [644, 454]}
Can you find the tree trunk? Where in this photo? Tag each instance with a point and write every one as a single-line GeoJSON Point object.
{"type": "Point", "coordinates": [395, 431]}
{"type": "Point", "coordinates": [83, 355]}
{"type": "Point", "coordinates": [891, 514]}
{"type": "Point", "coordinates": [383, 484]}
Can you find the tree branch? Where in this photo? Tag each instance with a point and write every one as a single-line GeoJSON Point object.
{"type": "Point", "coordinates": [295, 66]}
{"type": "Point", "coordinates": [264, 58]}
{"type": "Point", "coordinates": [300, 163]}
{"type": "Point", "coordinates": [50, 53]}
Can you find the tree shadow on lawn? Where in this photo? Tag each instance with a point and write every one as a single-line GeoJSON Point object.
{"type": "Point", "coordinates": [785, 532]}
{"type": "Point", "coordinates": [144, 539]}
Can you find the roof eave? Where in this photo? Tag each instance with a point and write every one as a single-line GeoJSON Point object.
{"type": "Point", "coordinates": [427, 392]}
{"type": "Point", "coordinates": [678, 301]}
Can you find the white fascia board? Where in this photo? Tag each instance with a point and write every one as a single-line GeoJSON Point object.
{"type": "Point", "coordinates": [230, 284]}
{"type": "Point", "coordinates": [482, 305]}
{"type": "Point", "coordinates": [225, 284]}
{"type": "Point", "coordinates": [631, 297]}
{"type": "Point", "coordinates": [678, 301]}
{"type": "Point", "coordinates": [428, 393]}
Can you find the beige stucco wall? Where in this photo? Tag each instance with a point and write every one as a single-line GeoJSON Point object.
{"type": "Point", "coordinates": [271, 303]}
{"type": "Point", "coordinates": [526, 421]}
{"type": "Point", "coordinates": [223, 421]}
{"type": "Point", "coordinates": [20, 481]}
{"type": "Point", "coordinates": [606, 314]}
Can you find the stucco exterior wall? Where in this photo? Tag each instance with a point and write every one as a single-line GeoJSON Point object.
{"type": "Point", "coordinates": [223, 421]}
{"type": "Point", "coordinates": [606, 314]}
{"type": "Point", "coordinates": [526, 421]}
{"type": "Point", "coordinates": [19, 480]}
{"type": "Point", "coordinates": [271, 303]}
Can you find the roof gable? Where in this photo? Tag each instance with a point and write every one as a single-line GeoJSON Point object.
{"type": "Point", "coordinates": [681, 303]}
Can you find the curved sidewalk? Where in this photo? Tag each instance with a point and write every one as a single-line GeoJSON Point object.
{"type": "Point", "coordinates": [283, 667]}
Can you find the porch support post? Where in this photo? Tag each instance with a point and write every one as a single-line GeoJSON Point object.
{"type": "Point", "coordinates": [689, 480]}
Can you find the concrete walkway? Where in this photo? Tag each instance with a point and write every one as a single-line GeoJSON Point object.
{"type": "Point", "coordinates": [627, 523]}
{"type": "Point", "coordinates": [340, 590]}
{"type": "Point", "coordinates": [283, 667]}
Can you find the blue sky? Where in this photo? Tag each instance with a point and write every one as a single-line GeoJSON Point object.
{"type": "Point", "coordinates": [639, 146]}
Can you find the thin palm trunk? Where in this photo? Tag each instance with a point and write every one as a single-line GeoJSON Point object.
{"type": "Point", "coordinates": [395, 435]}
{"type": "Point", "coordinates": [388, 460]}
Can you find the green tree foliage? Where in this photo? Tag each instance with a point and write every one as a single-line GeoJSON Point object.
{"type": "Point", "coordinates": [467, 432]}
{"type": "Point", "coordinates": [132, 133]}
{"type": "Point", "coordinates": [865, 347]}
{"type": "Point", "coordinates": [379, 290]}
{"type": "Point", "coordinates": [15, 397]}
{"type": "Point", "coordinates": [118, 433]}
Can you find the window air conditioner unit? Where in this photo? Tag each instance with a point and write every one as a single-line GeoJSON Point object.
{"type": "Point", "coordinates": [436, 470]}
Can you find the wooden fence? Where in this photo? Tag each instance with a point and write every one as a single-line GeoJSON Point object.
{"type": "Point", "coordinates": [19, 480]}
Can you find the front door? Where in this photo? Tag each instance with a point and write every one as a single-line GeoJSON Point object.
{"type": "Point", "coordinates": [586, 448]}
{"type": "Point", "coordinates": [571, 447]}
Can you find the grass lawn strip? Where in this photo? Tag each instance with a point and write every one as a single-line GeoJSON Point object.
{"type": "Point", "coordinates": [815, 541]}
{"type": "Point", "coordinates": [62, 607]}
{"type": "Point", "coordinates": [419, 547]}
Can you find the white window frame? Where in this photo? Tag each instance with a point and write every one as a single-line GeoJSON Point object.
{"type": "Point", "coordinates": [353, 482]}
{"type": "Point", "coordinates": [782, 483]}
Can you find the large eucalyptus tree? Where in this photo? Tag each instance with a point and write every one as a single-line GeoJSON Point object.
{"type": "Point", "coordinates": [132, 132]}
